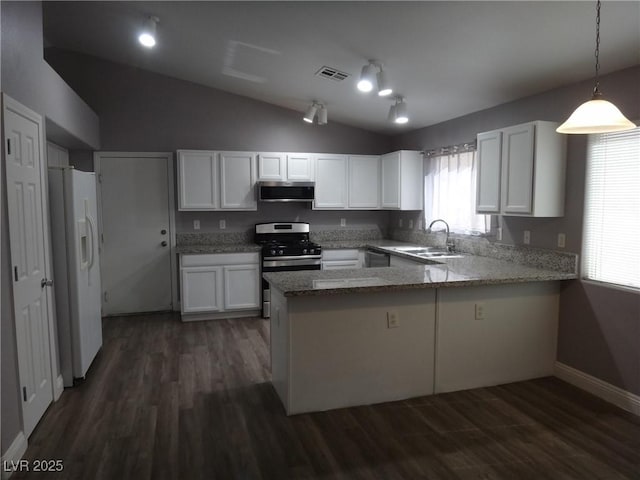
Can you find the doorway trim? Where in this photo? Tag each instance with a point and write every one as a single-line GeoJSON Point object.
{"type": "Point", "coordinates": [171, 186]}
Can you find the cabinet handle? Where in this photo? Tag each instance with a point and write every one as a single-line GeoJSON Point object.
{"type": "Point", "coordinates": [164, 243]}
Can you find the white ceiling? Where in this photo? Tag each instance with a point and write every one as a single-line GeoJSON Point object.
{"type": "Point", "coordinates": [447, 58]}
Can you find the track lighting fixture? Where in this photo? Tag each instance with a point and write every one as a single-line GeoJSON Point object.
{"type": "Point", "coordinates": [316, 108]}
{"type": "Point", "coordinates": [368, 76]}
{"type": "Point", "coordinates": [147, 36]}
{"type": "Point", "coordinates": [398, 111]}
{"type": "Point", "coordinates": [597, 115]}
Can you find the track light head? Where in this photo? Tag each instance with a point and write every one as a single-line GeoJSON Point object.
{"type": "Point", "coordinates": [147, 35]}
{"type": "Point", "coordinates": [310, 113]}
{"type": "Point", "coordinates": [383, 86]}
{"type": "Point", "coordinates": [322, 115]}
{"type": "Point", "coordinates": [398, 111]}
{"type": "Point", "coordinates": [367, 77]}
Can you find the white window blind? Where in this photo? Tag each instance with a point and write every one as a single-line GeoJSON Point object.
{"type": "Point", "coordinates": [450, 193]}
{"type": "Point", "coordinates": [612, 209]}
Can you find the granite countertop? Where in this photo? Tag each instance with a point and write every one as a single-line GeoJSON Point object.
{"type": "Point", "coordinates": [218, 248]}
{"type": "Point", "coordinates": [468, 270]}
{"type": "Point", "coordinates": [327, 245]}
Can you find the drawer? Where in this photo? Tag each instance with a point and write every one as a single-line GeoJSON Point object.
{"type": "Point", "coordinates": [340, 254]}
{"type": "Point", "coordinates": [209, 259]}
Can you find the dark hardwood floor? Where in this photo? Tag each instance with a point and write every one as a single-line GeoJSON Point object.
{"type": "Point", "coordinates": [167, 400]}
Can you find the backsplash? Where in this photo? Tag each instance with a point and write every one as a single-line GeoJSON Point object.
{"type": "Point", "coordinates": [534, 257]}
{"type": "Point", "coordinates": [348, 234]}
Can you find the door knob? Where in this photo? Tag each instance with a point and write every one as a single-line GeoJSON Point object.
{"type": "Point", "coordinates": [164, 243]}
{"type": "Point", "coordinates": [163, 232]}
{"type": "Point", "coordinates": [46, 283]}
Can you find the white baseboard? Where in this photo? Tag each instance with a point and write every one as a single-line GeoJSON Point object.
{"type": "Point", "coordinates": [58, 389]}
{"type": "Point", "coordinates": [610, 393]}
{"type": "Point", "coordinates": [13, 454]}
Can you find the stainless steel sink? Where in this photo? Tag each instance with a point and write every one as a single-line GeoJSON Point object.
{"type": "Point", "coordinates": [426, 252]}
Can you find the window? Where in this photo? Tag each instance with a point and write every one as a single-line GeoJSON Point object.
{"type": "Point", "coordinates": [450, 193]}
{"type": "Point", "coordinates": [612, 209]}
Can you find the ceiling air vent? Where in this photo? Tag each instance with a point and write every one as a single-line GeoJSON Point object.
{"type": "Point", "coordinates": [332, 74]}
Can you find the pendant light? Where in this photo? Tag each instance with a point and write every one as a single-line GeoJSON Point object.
{"type": "Point", "coordinates": [597, 115]}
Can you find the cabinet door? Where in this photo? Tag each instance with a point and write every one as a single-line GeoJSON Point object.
{"type": "Point", "coordinates": [517, 169]}
{"type": "Point", "coordinates": [237, 181]}
{"type": "Point", "coordinates": [331, 182]}
{"type": "Point", "coordinates": [364, 182]}
{"type": "Point", "coordinates": [488, 180]}
{"type": "Point", "coordinates": [272, 166]}
{"type": "Point", "coordinates": [241, 287]}
{"type": "Point", "coordinates": [390, 180]}
{"type": "Point", "coordinates": [299, 167]}
{"type": "Point", "coordinates": [197, 180]}
{"type": "Point", "coordinates": [201, 289]}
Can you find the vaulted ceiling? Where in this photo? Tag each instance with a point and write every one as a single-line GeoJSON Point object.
{"type": "Point", "coordinates": [447, 58]}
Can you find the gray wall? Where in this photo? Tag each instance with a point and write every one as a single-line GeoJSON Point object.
{"type": "Point", "coordinates": [29, 80]}
{"type": "Point", "coordinates": [599, 327]}
{"type": "Point", "coordinates": [144, 111]}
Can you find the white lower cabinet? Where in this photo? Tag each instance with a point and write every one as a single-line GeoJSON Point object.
{"type": "Point", "coordinates": [342, 258]}
{"type": "Point", "coordinates": [221, 283]}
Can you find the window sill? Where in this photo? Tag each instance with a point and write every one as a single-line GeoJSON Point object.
{"type": "Point", "coordinates": [612, 286]}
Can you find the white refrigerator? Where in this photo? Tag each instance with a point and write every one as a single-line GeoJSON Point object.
{"type": "Point", "coordinates": [76, 268]}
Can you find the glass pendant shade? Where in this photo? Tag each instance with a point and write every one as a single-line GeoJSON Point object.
{"type": "Point", "coordinates": [596, 116]}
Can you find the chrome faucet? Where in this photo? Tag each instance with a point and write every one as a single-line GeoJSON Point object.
{"type": "Point", "coordinates": [450, 245]}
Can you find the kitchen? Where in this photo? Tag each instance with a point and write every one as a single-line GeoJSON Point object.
{"type": "Point", "coordinates": [140, 111]}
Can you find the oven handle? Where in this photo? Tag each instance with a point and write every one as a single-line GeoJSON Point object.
{"type": "Point", "coordinates": [305, 263]}
{"type": "Point", "coordinates": [299, 258]}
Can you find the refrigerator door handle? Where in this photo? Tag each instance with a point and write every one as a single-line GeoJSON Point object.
{"type": "Point", "coordinates": [91, 243]}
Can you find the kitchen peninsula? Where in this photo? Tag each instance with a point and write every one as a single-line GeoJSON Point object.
{"type": "Point", "coordinates": [362, 336]}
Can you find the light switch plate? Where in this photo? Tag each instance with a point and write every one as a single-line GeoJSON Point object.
{"type": "Point", "coordinates": [527, 237]}
{"type": "Point", "coordinates": [223, 224]}
{"type": "Point", "coordinates": [499, 233]}
{"type": "Point", "coordinates": [410, 223]}
{"type": "Point", "coordinates": [343, 222]}
{"type": "Point", "coordinates": [196, 224]}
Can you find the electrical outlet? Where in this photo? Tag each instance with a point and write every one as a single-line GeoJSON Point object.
{"type": "Point", "coordinates": [343, 222]}
{"type": "Point", "coordinates": [196, 224]}
{"type": "Point", "coordinates": [527, 237]}
{"type": "Point", "coordinates": [393, 320]}
{"type": "Point", "coordinates": [410, 223]}
{"type": "Point", "coordinates": [479, 311]}
{"type": "Point", "coordinates": [223, 224]}
{"type": "Point", "coordinates": [499, 233]}
{"type": "Point", "coordinates": [400, 223]}
{"type": "Point", "coordinates": [562, 240]}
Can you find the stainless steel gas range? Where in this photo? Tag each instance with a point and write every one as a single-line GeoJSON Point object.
{"type": "Point", "coordinates": [285, 247]}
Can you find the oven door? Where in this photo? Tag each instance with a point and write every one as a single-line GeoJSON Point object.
{"type": "Point", "coordinates": [284, 264]}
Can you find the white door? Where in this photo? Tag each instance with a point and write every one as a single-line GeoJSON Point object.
{"type": "Point", "coordinates": [364, 181]}
{"type": "Point", "coordinates": [201, 289]}
{"type": "Point", "coordinates": [136, 205]}
{"type": "Point", "coordinates": [390, 191]}
{"type": "Point", "coordinates": [517, 169]}
{"type": "Point", "coordinates": [241, 287]}
{"type": "Point", "coordinates": [331, 182]}
{"type": "Point", "coordinates": [28, 234]}
{"type": "Point", "coordinates": [488, 179]}
{"type": "Point", "coordinates": [272, 167]}
{"type": "Point", "coordinates": [198, 180]}
{"type": "Point", "coordinates": [299, 167]}
{"type": "Point", "coordinates": [237, 180]}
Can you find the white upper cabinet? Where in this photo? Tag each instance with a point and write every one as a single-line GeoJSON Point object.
{"type": "Point", "coordinates": [285, 167]}
{"type": "Point", "coordinates": [299, 167]}
{"type": "Point", "coordinates": [237, 180]}
{"type": "Point", "coordinates": [522, 169]}
{"type": "Point", "coordinates": [210, 180]}
{"type": "Point", "coordinates": [364, 182]}
{"type": "Point", "coordinates": [272, 166]}
{"type": "Point", "coordinates": [489, 158]}
{"type": "Point", "coordinates": [402, 180]}
{"type": "Point", "coordinates": [331, 182]}
{"type": "Point", "coordinates": [198, 185]}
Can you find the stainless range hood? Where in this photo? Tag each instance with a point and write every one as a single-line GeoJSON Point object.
{"type": "Point", "coordinates": [286, 191]}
